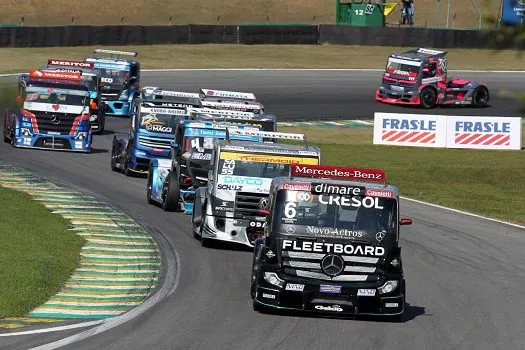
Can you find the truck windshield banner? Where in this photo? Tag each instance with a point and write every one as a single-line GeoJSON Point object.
{"type": "Point", "coordinates": [264, 158]}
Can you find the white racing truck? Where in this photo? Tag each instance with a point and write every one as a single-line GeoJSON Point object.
{"type": "Point", "coordinates": [239, 179]}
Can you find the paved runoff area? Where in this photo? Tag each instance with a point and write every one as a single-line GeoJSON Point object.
{"type": "Point", "coordinates": [119, 264]}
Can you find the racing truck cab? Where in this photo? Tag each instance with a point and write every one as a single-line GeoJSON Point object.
{"type": "Point", "coordinates": [239, 183]}
{"type": "Point", "coordinates": [172, 182]}
{"type": "Point", "coordinates": [331, 244]}
{"type": "Point", "coordinates": [53, 114]}
{"type": "Point", "coordinates": [230, 100]}
{"type": "Point", "coordinates": [120, 80]}
{"type": "Point", "coordinates": [419, 78]}
{"type": "Point", "coordinates": [154, 117]}
{"type": "Point", "coordinates": [92, 80]}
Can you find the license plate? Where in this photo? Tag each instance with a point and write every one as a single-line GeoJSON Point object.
{"type": "Point", "coordinates": [295, 287]}
{"type": "Point", "coordinates": [398, 88]}
{"type": "Point", "coordinates": [366, 292]}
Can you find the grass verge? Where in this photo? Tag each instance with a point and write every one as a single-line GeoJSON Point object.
{"type": "Point", "coordinates": [258, 56]}
{"type": "Point", "coordinates": [462, 13]}
{"type": "Point", "coordinates": [488, 183]}
{"type": "Point", "coordinates": [38, 253]}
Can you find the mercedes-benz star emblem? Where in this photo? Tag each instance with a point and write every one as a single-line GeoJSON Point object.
{"type": "Point", "coordinates": [263, 203]}
{"type": "Point", "coordinates": [332, 265]}
{"type": "Point", "coordinates": [290, 229]}
{"type": "Point", "coordinates": [55, 119]}
{"type": "Point", "coordinates": [380, 235]}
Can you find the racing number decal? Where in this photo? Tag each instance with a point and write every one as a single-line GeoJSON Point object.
{"type": "Point", "coordinates": [289, 210]}
{"type": "Point", "coordinates": [228, 167]}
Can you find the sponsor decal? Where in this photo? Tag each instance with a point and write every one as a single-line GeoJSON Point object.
{"type": "Point", "coordinates": [224, 209]}
{"type": "Point", "coordinates": [297, 187]}
{"type": "Point", "coordinates": [201, 156]}
{"type": "Point", "coordinates": [337, 189]}
{"type": "Point", "coordinates": [366, 202]}
{"type": "Point", "coordinates": [304, 197]}
{"type": "Point", "coordinates": [79, 64]}
{"type": "Point", "coordinates": [391, 304]}
{"type": "Point", "coordinates": [366, 292]}
{"type": "Point", "coordinates": [257, 224]}
{"type": "Point", "coordinates": [339, 172]}
{"type": "Point", "coordinates": [335, 248]}
{"type": "Point", "coordinates": [336, 232]}
{"type": "Point", "coordinates": [334, 308]}
{"type": "Point", "coordinates": [159, 128]}
{"type": "Point", "coordinates": [228, 94]}
{"type": "Point", "coordinates": [270, 254]}
{"type": "Point", "coordinates": [296, 287]}
{"type": "Point", "coordinates": [379, 193]}
{"type": "Point", "coordinates": [55, 75]}
{"type": "Point", "coordinates": [106, 80]}
{"type": "Point", "coordinates": [168, 111]}
{"type": "Point", "coordinates": [242, 180]}
{"type": "Point", "coordinates": [268, 296]}
{"type": "Point", "coordinates": [263, 158]}
{"type": "Point", "coordinates": [331, 289]}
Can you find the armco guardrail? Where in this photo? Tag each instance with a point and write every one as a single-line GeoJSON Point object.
{"type": "Point", "coordinates": [243, 34]}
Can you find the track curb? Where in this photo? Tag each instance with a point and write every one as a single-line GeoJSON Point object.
{"type": "Point", "coordinates": [120, 261]}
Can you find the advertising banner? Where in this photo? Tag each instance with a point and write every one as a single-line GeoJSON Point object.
{"type": "Point", "coordinates": [444, 131]}
{"type": "Point", "coordinates": [513, 12]}
{"type": "Point", "coordinates": [484, 132]}
{"type": "Point", "coordinates": [409, 130]}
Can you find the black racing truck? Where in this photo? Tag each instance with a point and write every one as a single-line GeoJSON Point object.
{"type": "Point", "coordinates": [331, 244]}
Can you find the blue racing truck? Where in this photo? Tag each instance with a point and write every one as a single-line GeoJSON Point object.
{"type": "Point", "coordinates": [154, 116]}
{"type": "Point", "coordinates": [53, 113]}
{"type": "Point", "coordinates": [120, 79]}
{"type": "Point", "coordinates": [172, 182]}
{"type": "Point", "coordinates": [92, 80]}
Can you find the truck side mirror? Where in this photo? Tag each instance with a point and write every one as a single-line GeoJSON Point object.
{"type": "Point", "coordinates": [405, 221]}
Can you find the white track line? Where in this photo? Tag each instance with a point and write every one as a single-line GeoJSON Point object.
{"type": "Point", "coordinates": [463, 212]}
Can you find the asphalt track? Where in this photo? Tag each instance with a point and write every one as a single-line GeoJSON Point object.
{"type": "Point", "coordinates": [465, 276]}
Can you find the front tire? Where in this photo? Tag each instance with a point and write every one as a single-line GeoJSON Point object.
{"type": "Point", "coordinates": [428, 97]}
{"type": "Point", "coordinates": [172, 193]}
{"type": "Point", "coordinates": [480, 97]}
{"type": "Point", "coordinates": [114, 155]}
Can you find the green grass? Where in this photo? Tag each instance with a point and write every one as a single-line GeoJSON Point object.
{"type": "Point", "coordinates": [489, 183]}
{"type": "Point", "coordinates": [38, 253]}
{"type": "Point", "coordinates": [97, 12]}
{"type": "Point", "coordinates": [258, 56]}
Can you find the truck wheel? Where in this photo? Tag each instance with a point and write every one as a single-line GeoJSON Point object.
{"type": "Point", "coordinates": [114, 155]}
{"type": "Point", "coordinates": [480, 97]}
{"type": "Point", "coordinates": [171, 193]}
{"type": "Point", "coordinates": [127, 171]}
{"type": "Point", "coordinates": [428, 97]}
{"type": "Point", "coordinates": [254, 275]}
{"type": "Point", "coordinates": [149, 185]}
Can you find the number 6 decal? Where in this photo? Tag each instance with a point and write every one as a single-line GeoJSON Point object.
{"type": "Point", "coordinates": [289, 210]}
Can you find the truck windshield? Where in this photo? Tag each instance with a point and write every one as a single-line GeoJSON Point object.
{"type": "Point", "coordinates": [259, 165]}
{"type": "Point", "coordinates": [112, 76]}
{"type": "Point", "coordinates": [55, 96]}
{"type": "Point", "coordinates": [360, 218]}
{"type": "Point", "coordinates": [90, 81]}
{"type": "Point", "coordinates": [398, 66]}
{"type": "Point", "coordinates": [153, 122]}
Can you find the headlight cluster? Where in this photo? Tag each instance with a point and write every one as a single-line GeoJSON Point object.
{"type": "Point", "coordinates": [388, 287]}
{"type": "Point", "coordinates": [272, 278]}
{"type": "Point", "coordinates": [81, 136]}
{"type": "Point", "coordinates": [26, 132]}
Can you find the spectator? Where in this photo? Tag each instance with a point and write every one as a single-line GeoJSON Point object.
{"type": "Point", "coordinates": [407, 12]}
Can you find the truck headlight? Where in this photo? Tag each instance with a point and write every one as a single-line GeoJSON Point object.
{"type": "Point", "coordinates": [26, 132]}
{"type": "Point", "coordinates": [272, 278]}
{"type": "Point", "coordinates": [81, 136]}
{"type": "Point", "coordinates": [124, 96]}
{"type": "Point", "coordinates": [388, 287]}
